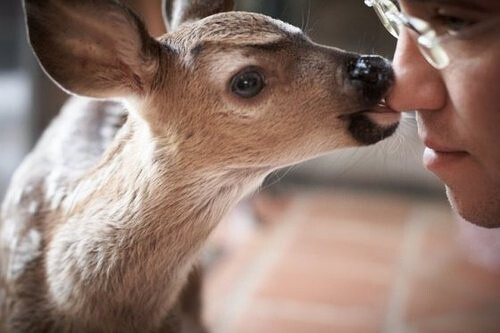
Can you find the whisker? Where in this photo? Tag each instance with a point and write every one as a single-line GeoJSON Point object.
{"type": "Point", "coordinates": [409, 115]}
{"type": "Point", "coordinates": [308, 17]}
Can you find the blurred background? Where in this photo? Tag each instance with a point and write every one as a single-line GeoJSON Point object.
{"type": "Point", "coordinates": [361, 240]}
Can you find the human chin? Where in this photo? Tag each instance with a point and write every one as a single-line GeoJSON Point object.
{"type": "Point", "coordinates": [481, 209]}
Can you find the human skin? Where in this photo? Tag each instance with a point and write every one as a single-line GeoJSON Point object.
{"type": "Point", "coordinates": [458, 108]}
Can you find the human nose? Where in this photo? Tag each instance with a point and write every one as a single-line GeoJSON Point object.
{"type": "Point", "coordinates": [419, 86]}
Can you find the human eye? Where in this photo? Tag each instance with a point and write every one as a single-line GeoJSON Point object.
{"type": "Point", "coordinates": [446, 21]}
{"type": "Point", "coordinates": [450, 23]}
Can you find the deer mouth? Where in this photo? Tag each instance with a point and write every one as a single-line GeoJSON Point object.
{"type": "Point", "coordinates": [373, 125]}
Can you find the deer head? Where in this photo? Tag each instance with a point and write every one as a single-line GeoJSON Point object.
{"type": "Point", "coordinates": [233, 89]}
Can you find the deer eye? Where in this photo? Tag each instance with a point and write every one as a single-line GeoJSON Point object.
{"type": "Point", "coordinates": [247, 84]}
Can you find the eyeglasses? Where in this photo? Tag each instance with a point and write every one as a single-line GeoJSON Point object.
{"type": "Point", "coordinates": [428, 41]}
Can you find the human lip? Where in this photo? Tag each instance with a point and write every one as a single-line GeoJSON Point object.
{"type": "Point", "coordinates": [441, 148]}
{"type": "Point", "coordinates": [439, 158]}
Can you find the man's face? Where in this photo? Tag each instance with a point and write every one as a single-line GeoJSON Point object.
{"type": "Point", "coordinates": [458, 108]}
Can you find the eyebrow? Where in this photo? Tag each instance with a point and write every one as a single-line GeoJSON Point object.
{"type": "Point", "coordinates": [270, 47]}
{"type": "Point", "coordinates": [466, 3]}
{"type": "Point", "coordinates": [277, 45]}
{"type": "Point", "coordinates": [274, 46]}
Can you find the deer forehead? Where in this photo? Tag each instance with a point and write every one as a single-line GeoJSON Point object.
{"type": "Point", "coordinates": [236, 28]}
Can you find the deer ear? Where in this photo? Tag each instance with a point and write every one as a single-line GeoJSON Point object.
{"type": "Point", "coordinates": [166, 8]}
{"type": "Point", "coordinates": [192, 10]}
{"type": "Point", "coordinates": [94, 48]}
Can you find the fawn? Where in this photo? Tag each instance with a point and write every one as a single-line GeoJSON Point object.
{"type": "Point", "coordinates": [103, 221]}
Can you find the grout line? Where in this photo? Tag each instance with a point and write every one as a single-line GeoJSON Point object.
{"type": "Point", "coordinates": [272, 250]}
{"type": "Point", "coordinates": [317, 313]}
{"type": "Point", "coordinates": [443, 322]}
{"type": "Point", "coordinates": [416, 225]}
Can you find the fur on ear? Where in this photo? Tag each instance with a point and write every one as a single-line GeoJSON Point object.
{"type": "Point", "coordinates": [191, 10]}
{"type": "Point", "coordinates": [166, 7]}
{"type": "Point", "coordinates": [94, 48]}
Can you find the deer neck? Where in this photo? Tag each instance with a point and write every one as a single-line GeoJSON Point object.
{"type": "Point", "coordinates": [142, 215]}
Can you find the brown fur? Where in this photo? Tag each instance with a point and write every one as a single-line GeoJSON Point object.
{"type": "Point", "coordinates": [103, 222]}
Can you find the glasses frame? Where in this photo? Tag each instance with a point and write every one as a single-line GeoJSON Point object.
{"type": "Point", "coordinates": [428, 41]}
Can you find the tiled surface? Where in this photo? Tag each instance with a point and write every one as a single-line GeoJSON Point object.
{"type": "Point", "coordinates": [345, 262]}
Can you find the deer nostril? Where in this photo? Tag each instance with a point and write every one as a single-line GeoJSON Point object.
{"type": "Point", "coordinates": [371, 70]}
{"type": "Point", "coordinates": [373, 75]}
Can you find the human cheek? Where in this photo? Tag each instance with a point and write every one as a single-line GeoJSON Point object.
{"type": "Point", "coordinates": [475, 96]}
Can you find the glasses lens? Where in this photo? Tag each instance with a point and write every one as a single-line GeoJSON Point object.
{"type": "Point", "coordinates": [387, 13]}
{"type": "Point", "coordinates": [435, 55]}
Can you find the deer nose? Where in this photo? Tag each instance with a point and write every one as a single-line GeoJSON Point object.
{"type": "Point", "coordinates": [372, 74]}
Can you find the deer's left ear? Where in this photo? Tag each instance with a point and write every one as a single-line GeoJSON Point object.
{"type": "Point", "coordinates": [94, 48]}
{"type": "Point", "coordinates": [166, 8]}
{"type": "Point", "coordinates": [191, 10]}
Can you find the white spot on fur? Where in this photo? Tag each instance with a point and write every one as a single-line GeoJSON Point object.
{"type": "Point", "coordinates": [224, 67]}
{"type": "Point", "coordinates": [33, 207]}
{"type": "Point", "coordinates": [23, 249]}
{"type": "Point", "coordinates": [287, 27]}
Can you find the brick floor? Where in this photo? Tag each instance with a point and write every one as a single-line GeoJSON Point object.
{"type": "Point", "coordinates": [330, 261]}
